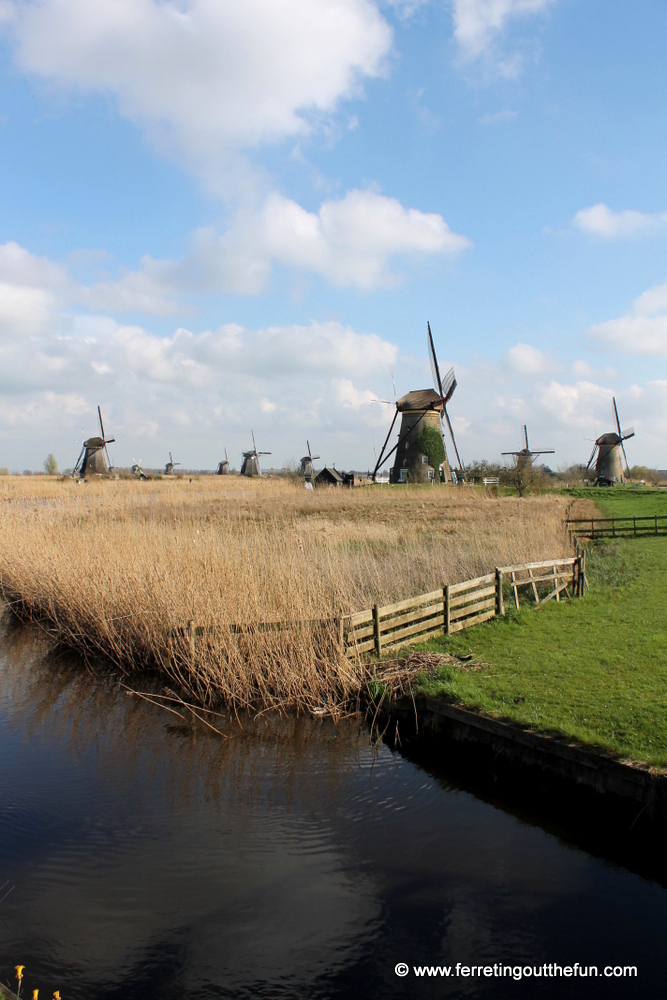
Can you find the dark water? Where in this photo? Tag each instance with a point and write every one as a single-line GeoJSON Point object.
{"type": "Point", "coordinates": [289, 860]}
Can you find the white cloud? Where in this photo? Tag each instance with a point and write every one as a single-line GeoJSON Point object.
{"type": "Point", "coordinates": [203, 77]}
{"type": "Point", "coordinates": [643, 331]}
{"type": "Point", "coordinates": [478, 22]}
{"type": "Point", "coordinates": [349, 242]}
{"type": "Point", "coordinates": [601, 221]}
{"type": "Point", "coordinates": [526, 359]}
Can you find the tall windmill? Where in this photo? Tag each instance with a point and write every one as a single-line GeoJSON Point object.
{"type": "Point", "coordinates": [170, 466]}
{"type": "Point", "coordinates": [91, 459]}
{"type": "Point", "coordinates": [421, 411]}
{"type": "Point", "coordinates": [608, 466]}
{"type": "Point", "coordinates": [250, 465]}
{"type": "Point", "coordinates": [307, 464]}
{"type": "Point", "coordinates": [223, 467]}
{"type": "Point", "coordinates": [524, 458]}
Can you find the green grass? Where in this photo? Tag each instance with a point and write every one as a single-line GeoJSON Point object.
{"type": "Point", "coordinates": [592, 669]}
{"type": "Point", "coordinates": [623, 501]}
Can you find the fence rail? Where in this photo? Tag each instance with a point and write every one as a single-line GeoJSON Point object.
{"type": "Point", "coordinates": [449, 609]}
{"type": "Point", "coordinates": [458, 606]}
{"type": "Point", "coordinates": [617, 527]}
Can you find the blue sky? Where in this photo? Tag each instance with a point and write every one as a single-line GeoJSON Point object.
{"type": "Point", "coordinates": [217, 216]}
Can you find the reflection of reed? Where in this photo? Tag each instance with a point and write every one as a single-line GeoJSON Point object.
{"type": "Point", "coordinates": [255, 757]}
{"type": "Point", "coordinates": [122, 567]}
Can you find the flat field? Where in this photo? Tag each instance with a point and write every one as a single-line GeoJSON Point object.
{"type": "Point", "coordinates": [121, 567]}
{"type": "Point", "coordinates": [593, 670]}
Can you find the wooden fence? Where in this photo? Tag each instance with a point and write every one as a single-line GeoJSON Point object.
{"type": "Point", "coordinates": [617, 527]}
{"type": "Point", "coordinates": [458, 606]}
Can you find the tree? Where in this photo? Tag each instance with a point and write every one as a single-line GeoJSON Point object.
{"type": "Point", "coordinates": [50, 465]}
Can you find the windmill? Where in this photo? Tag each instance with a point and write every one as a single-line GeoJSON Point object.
{"type": "Point", "coordinates": [223, 467]}
{"type": "Point", "coordinates": [250, 465]}
{"type": "Point", "coordinates": [421, 412]}
{"type": "Point", "coordinates": [608, 467]}
{"type": "Point", "coordinates": [137, 470]}
{"type": "Point", "coordinates": [307, 464]}
{"type": "Point", "coordinates": [170, 466]}
{"type": "Point", "coordinates": [524, 458]}
{"type": "Point", "coordinates": [91, 459]}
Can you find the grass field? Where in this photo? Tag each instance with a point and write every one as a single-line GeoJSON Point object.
{"type": "Point", "coordinates": [621, 501]}
{"type": "Point", "coordinates": [594, 670]}
{"type": "Point", "coordinates": [118, 566]}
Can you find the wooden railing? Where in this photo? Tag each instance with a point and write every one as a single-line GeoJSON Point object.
{"type": "Point", "coordinates": [617, 527]}
{"type": "Point", "coordinates": [458, 606]}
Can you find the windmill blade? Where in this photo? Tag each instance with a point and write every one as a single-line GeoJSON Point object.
{"type": "Point", "coordinates": [394, 387]}
{"type": "Point", "coordinates": [171, 459]}
{"type": "Point", "coordinates": [226, 459]}
{"type": "Point", "coordinates": [618, 422]}
{"type": "Point", "coordinates": [627, 467]}
{"type": "Point", "coordinates": [78, 461]}
{"type": "Point", "coordinates": [309, 454]}
{"type": "Point", "coordinates": [262, 452]}
{"type": "Point", "coordinates": [435, 371]}
{"type": "Point", "coordinates": [314, 458]}
{"type": "Point", "coordinates": [451, 433]}
{"type": "Point", "coordinates": [253, 440]}
{"type": "Point", "coordinates": [99, 414]}
{"type": "Point", "coordinates": [629, 433]}
{"type": "Point", "coordinates": [595, 448]}
{"type": "Point", "coordinates": [525, 437]}
{"type": "Point", "coordinates": [449, 383]}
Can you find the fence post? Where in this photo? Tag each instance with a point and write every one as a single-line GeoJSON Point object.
{"type": "Point", "coordinates": [500, 607]}
{"type": "Point", "coordinates": [583, 572]}
{"type": "Point", "coordinates": [656, 524]}
{"type": "Point", "coordinates": [613, 527]}
{"type": "Point", "coordinates": [447, 607]}
{"type": "Point", "coordinates": [376, 629]}
{"type": "Point", "coordinates": [634, 521]}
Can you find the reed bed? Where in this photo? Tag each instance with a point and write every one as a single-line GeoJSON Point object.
{"type": "Point", "coordinates": [120, 568]}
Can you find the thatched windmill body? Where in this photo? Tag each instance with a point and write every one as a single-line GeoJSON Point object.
{"type": "Point", "coordinates": [524, 457]}
{"type": "Point", "coordinates": [250, 465]}
{"type": "Point", "coordinates": [170, 466]}
{"type": "Point", "coordinates": [421, 453]}
{"type": "Point", "coordinates": [91, 460]}
{"type": "Point", "coordinates": [223, 466]}
{"type": "Point", "coordinates": [306, 469]}
{"type": "Point", "coordinates": [608, 466]}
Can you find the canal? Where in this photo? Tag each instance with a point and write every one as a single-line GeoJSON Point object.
{"type": "Point", "coordinates": [284, 858]}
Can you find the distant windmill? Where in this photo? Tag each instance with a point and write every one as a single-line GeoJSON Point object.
{"type": "Point", "coordinates": [307, 464]}
{"type": "Point", "coordinates": [250, 465]}
{"type": "Point", "coordinates": [223, 467]}
{"type": "Point", "coordinates": [137, 470]}
{"type": "Point", "coordinates": [170, 466]}
{"type": "Point", "coordinates": [91, 460]}
{"type": "Point", "coordinates": [420, 411]}
{"type": "Point", "coordinates": [608, 467]}
{"type": "Point", "coordinates": [524, 458]}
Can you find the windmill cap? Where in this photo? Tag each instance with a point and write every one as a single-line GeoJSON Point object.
{"type": "Point", "coordinates": [420, 399]}
{"type": "Point", "coordinates": [94, 442]}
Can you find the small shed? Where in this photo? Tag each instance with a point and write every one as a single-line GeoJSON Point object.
{"type": "Point", "coordinates": [328, 477]}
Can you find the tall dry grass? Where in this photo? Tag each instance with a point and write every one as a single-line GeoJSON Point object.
{"type": "Point", "coordinates": [122, 567]}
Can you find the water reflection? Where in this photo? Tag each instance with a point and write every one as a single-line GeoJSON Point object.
{"type": "Point", "coordinates": [152, 858]}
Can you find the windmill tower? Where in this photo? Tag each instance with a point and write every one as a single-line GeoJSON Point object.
{"type": "Point", "coordinates": [306, 469]}
{"type": "Point", "coordinates": [137, 470]}
{"type": "Point", "coordinates": [170, 466]}
{"type": "Point", "coordinates": [608, 467]}
{"type": "Point", "coordinates": [91, 461]}
{"type": "Point", "coordinates": [421, 453]}
{"type": "Point", "coordinates": [524, 458]}
{"type": "Point", "coordinates": [223, 467]}
{"type": "Point", "coordinates": [250, 465]}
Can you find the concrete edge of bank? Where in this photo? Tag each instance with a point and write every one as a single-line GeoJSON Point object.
{"type": "Point", "coordinates": [500, 750]}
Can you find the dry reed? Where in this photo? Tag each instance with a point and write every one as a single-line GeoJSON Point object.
{"type": "Point", "coordinates": [122, 567]}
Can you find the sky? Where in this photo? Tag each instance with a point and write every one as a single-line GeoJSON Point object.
{"type": "Point", "coordinates": [225, 215]}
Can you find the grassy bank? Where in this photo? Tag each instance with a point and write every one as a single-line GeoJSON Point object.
{"type": "Point", "coordinates": [119, 566]}
{"type": "Point", "coordinates": [594, 670]}
{"type": "Point", "coordinates": [619, 501]}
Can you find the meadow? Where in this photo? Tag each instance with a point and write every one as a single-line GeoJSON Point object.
{"type": "Point", "coordinates": [120, 568]}
{"type": "Point", "coordinates": [592, 670]}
